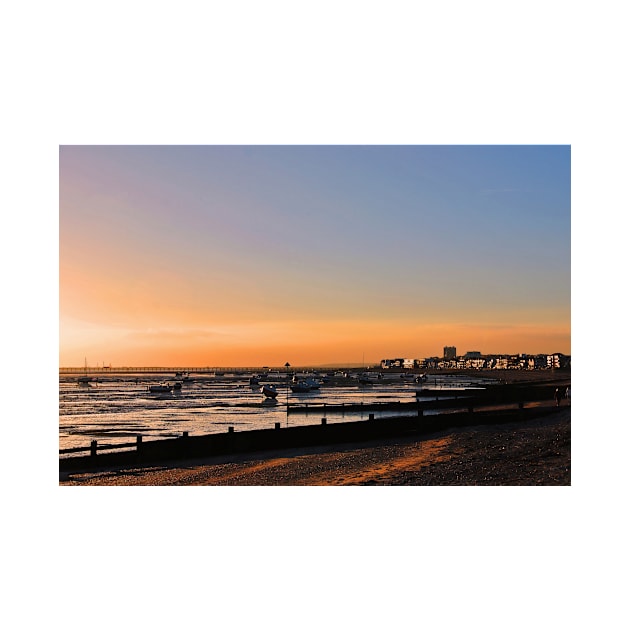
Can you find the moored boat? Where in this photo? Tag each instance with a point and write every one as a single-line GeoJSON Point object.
{"type": "Point", "coordinates": [161, 388]}
{"type": "Point", "coordinates": [300, 387]}
{"type": "Point", "coordinates": [368, 379]}
{"type": "Point", "coordinates": [269, 391]}
{"type": "Point", "coordinates": [85, 379]}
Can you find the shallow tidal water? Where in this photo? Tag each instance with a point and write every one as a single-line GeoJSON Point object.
{"type": "Point", "coordinates": [119, 408]}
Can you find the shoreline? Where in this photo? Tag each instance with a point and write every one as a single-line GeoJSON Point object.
{"type": "Point", "coordinates": [530, 452]}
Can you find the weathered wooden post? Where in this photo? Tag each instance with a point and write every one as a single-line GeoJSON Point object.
{"type": "Point", "coordinates": [138, 443]}
{"type": "Point", "coordinates": [93, 448]}
{"type": "Point", "coordinates": [323, 422]}
{"type": "Point", "coordinates": [371, 416]}
{"type": "Point", "coordinates": [277, 425]}
{"type": "Point", "coordinates": [230, 429]}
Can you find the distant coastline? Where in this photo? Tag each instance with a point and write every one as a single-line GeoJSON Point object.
{"type": "Point", "coordinates": [302, 368]}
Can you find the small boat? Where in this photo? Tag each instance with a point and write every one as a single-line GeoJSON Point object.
{"type": "Point", "coordinates": [368, 379]}
{"type": "Point", "coordinates": [300, 387]}
{"type": "Point", "coordinates": [269, 391]}
{"type": "Point", "coordinates": [85, 379]}
{"type": "Point", "coordinates": [184, 377]}
{"type": "Point", "coordinates": [162, 388]}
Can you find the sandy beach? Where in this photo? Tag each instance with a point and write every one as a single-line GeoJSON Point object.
{"type": "Point", "coordinates": [534, 452]}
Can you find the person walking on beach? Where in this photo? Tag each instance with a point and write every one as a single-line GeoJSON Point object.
{"type": "Point", "coordinates": [558, 396]}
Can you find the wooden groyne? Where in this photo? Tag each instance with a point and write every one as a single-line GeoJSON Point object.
{"type": "Point", "coordinates": [409, 406]}
{"type": "Point", "coordinates": [232, 442]}
{"type": "Point", "coordinates": [437, 399]}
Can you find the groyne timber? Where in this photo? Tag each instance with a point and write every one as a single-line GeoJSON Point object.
{"type": "Point", "coordinates": [232, 442]}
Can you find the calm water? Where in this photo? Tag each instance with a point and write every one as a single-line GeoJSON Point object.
{"type": "Point", "coordinates": [117, 409]}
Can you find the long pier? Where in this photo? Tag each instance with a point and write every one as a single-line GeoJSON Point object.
{"type": "Point", "coordinates": [104, 369]}
{"type": "Point", "coordinates": [157, 370]}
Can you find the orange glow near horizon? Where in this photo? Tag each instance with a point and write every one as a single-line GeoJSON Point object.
{"type": "Point", "coordinates": [302, 343]}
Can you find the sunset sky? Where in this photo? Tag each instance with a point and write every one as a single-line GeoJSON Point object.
{"type": "Point", "coordinates": [258, 255]}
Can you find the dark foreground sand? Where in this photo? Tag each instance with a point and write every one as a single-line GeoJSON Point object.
{"type": "Point", "coordinates": [536, 452]}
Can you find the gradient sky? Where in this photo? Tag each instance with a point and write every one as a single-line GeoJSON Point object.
{"type": "Point", "coordinates": [258, 255]}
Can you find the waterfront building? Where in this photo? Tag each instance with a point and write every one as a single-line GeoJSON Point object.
{"type": "Point", "coordinates": [473, 354]}
{"type": "Point", "coordinates": [407, 364]}
{"type": "Point", "coordinates": [450, 352]}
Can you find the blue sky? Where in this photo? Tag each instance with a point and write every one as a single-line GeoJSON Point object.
{"type": "Point", "coordinates": [282, 236]}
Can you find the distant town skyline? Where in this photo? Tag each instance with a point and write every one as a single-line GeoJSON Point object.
{"type": "Point", "coordinates": [99, 365]}
{"type": "Point", "coordinates": [258, 255]}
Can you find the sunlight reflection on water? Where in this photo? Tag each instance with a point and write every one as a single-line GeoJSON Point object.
{"type": "Point", "coordinates": [116, 410]}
